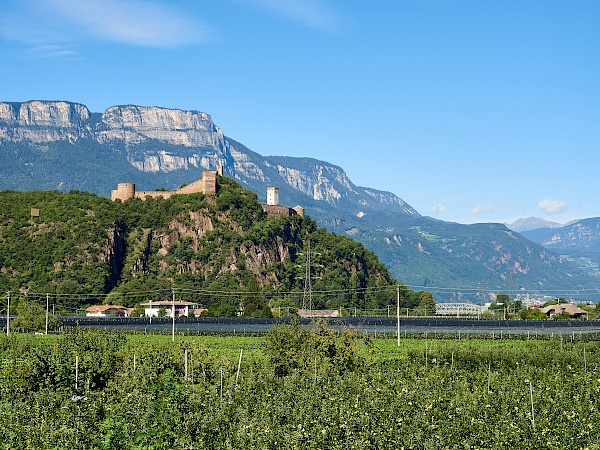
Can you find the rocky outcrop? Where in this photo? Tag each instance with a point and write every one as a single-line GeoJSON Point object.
{"type": "Point", "coordinates": [43, 121]}
{"type": "Point", "coordinates": [185, 128]}
{"type": "Point", "coordinates": [317, 181]}
{"type": "Point", "coordinates": [44, 114]}
{"type": "Point", "coordinates": [387, 198]}
{"type": "Point", "coordinates": [114, 254]}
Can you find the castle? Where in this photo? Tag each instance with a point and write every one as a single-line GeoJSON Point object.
{"type": "Point", "coordinates": [273, 209]}
{"type": "Point", "coordinates": [206, 185]}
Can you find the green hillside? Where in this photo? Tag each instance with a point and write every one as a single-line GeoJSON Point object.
{"type": "Point", "coordinates": [220, 251]}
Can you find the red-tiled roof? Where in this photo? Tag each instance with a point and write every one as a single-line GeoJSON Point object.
{"type": "Point", "coordinates": [104, 308]}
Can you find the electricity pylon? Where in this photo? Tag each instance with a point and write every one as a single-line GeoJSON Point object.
{"type": "Point", "coordinates": [307, 296]}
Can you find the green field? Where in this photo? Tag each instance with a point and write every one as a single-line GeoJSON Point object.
{"type": "Point", "coordinates": [297, 389]}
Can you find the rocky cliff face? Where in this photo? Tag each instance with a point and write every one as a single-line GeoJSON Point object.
{"type": "Point", "coordinates": [44, 114]}
{"type": "Point", "coordinates": [583, 235]}
{"type": "Point", "coordinates": [133, 124]}
{"type": "Point", "coordinates": [43, 121]}
{"type": "Point", "coordinates": [162, 140]}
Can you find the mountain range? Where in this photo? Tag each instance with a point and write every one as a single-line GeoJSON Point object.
{"type": "Point", "coordinates": [61, 145]}
{"type": "Point", "coordinates": [532, 223]}
{"type": "Point", "coordinates": [578, 242]}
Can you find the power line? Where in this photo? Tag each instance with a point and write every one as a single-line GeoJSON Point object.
{"type": "Point", "coordinates": [307, 294]}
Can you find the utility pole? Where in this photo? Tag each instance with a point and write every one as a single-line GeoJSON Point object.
{"type": "Point", "coordinates": [173, 334]}
{"type": "Point", "coordinates": [8, 312]}
{"type": "Point", "coordinates": [510, 290]}
{"type": "Point", "coordinates": [398, 313]}
{"type": "Point", "coordinates": [483, 291]}
{"type": "Point", "coordinates": [47, 297]}
{"type": "Point", "coordinates": [307, 295]}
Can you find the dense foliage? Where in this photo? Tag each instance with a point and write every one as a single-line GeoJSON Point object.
{"type": "Point", "coordinates": [221, 252]}
{"type": "Point", "coordinates": [107, 390]}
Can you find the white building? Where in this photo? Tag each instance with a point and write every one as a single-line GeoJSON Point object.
{"type": "Point", "coordinates": [181, 308]}
{"type": "Point", "coordinates": [459, 309]}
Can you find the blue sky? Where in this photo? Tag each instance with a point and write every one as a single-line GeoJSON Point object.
{"type": "Point", "coordinates": [471, 111]}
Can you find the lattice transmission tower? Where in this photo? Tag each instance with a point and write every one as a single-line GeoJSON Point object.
{"type": "Point", "coordinates": [307, 295]}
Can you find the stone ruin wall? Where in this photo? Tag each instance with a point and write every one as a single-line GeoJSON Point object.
{"type": "Point", "coordinates": [206, 185]}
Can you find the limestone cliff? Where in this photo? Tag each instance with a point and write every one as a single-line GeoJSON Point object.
{"type": "Point", "coordinates": [185, 128]}
{"type": "Point", "coordinates": [162, 140]}
{"type": "Point", "coordinates": [44, 114]}
{"type": "Point", "coordinates": [43, 121]}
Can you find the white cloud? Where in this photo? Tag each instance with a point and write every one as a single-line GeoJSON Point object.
{"type": "Point", "coordinates": [479, 208]}
{"type": "Point", "coordinates": [134, 22]}
{"type": "Point", "coordinates": [54, 24]}
{"type": "Point", "coordinates": [438, 208]}
{"type": "Point", "coordinates": [312, 13]}
{"type": "Point", "coordinates": [552, 206]}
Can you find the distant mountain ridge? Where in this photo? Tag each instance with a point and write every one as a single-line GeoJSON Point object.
{"type": "Point", "coordinates": [60, 145]}
{"type": "Point", "coordinates": [532, 223]}
{"type": "Point", "coordinates": [579, 241]}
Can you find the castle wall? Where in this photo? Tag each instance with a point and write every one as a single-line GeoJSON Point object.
{"type": "Point", "coordinates": [193, 188]}
{"type": "Point", "coordinates": [206, 185]}
{"type": "Point", "coordinates": [276, 210]}
{"type": "Point", "coordinates": [299, 210]}
{"type": "Point", "coordinates": [153, 194]}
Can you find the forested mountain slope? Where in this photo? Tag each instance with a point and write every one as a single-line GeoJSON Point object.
{"type": "Point", "coordinates": [218, 250]}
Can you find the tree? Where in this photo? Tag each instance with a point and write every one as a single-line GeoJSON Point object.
{"type": "Point", "coordinates": [426, 302]}
{"type": "Point", "coordinates": [532, 314]}
{"type": "Point", "coordinates": [31, 317]}
{"type": "Point", "coordinates": [556, 301]}
{"type": "Point", "coordinates": [504, 299]}
{"type": "Point", "coordinates": [564, 315]}
{"type": "Point", "coordinates": [253, 301]}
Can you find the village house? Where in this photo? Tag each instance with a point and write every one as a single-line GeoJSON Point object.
{"type": "Point", "coordinates": [573, 311]}
{"type": "Point", "coordinates": [152, 309]}
{"type": "Point", "coordinates": [106, 311]}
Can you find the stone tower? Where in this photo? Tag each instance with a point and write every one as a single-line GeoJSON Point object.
{"type": "Point", "coordinates": [272, 196]}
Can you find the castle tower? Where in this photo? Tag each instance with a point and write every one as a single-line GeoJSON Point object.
{"type": "Point", "coordinates": [124, 191]}
{"type": "Point", "coordinates": [272, 196]}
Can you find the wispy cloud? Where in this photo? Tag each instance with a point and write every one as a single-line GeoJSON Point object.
{"type": "Point", "coordinates": [53, 28]}
{"type": "Point", "coordinates": [552, 206]}
{"type": "Point", "coordinates": [489, 207]}
{"type": "Point", "coordinates": [133, 22]}
{"type": "Point", "coordinates": [480, 208]}
{"type": "Point", "coordinates": [311, 13]}
{"type": "Point", "coordinates": [54, 51]}
{"type": "Point", "coordinates": [438, 208]}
